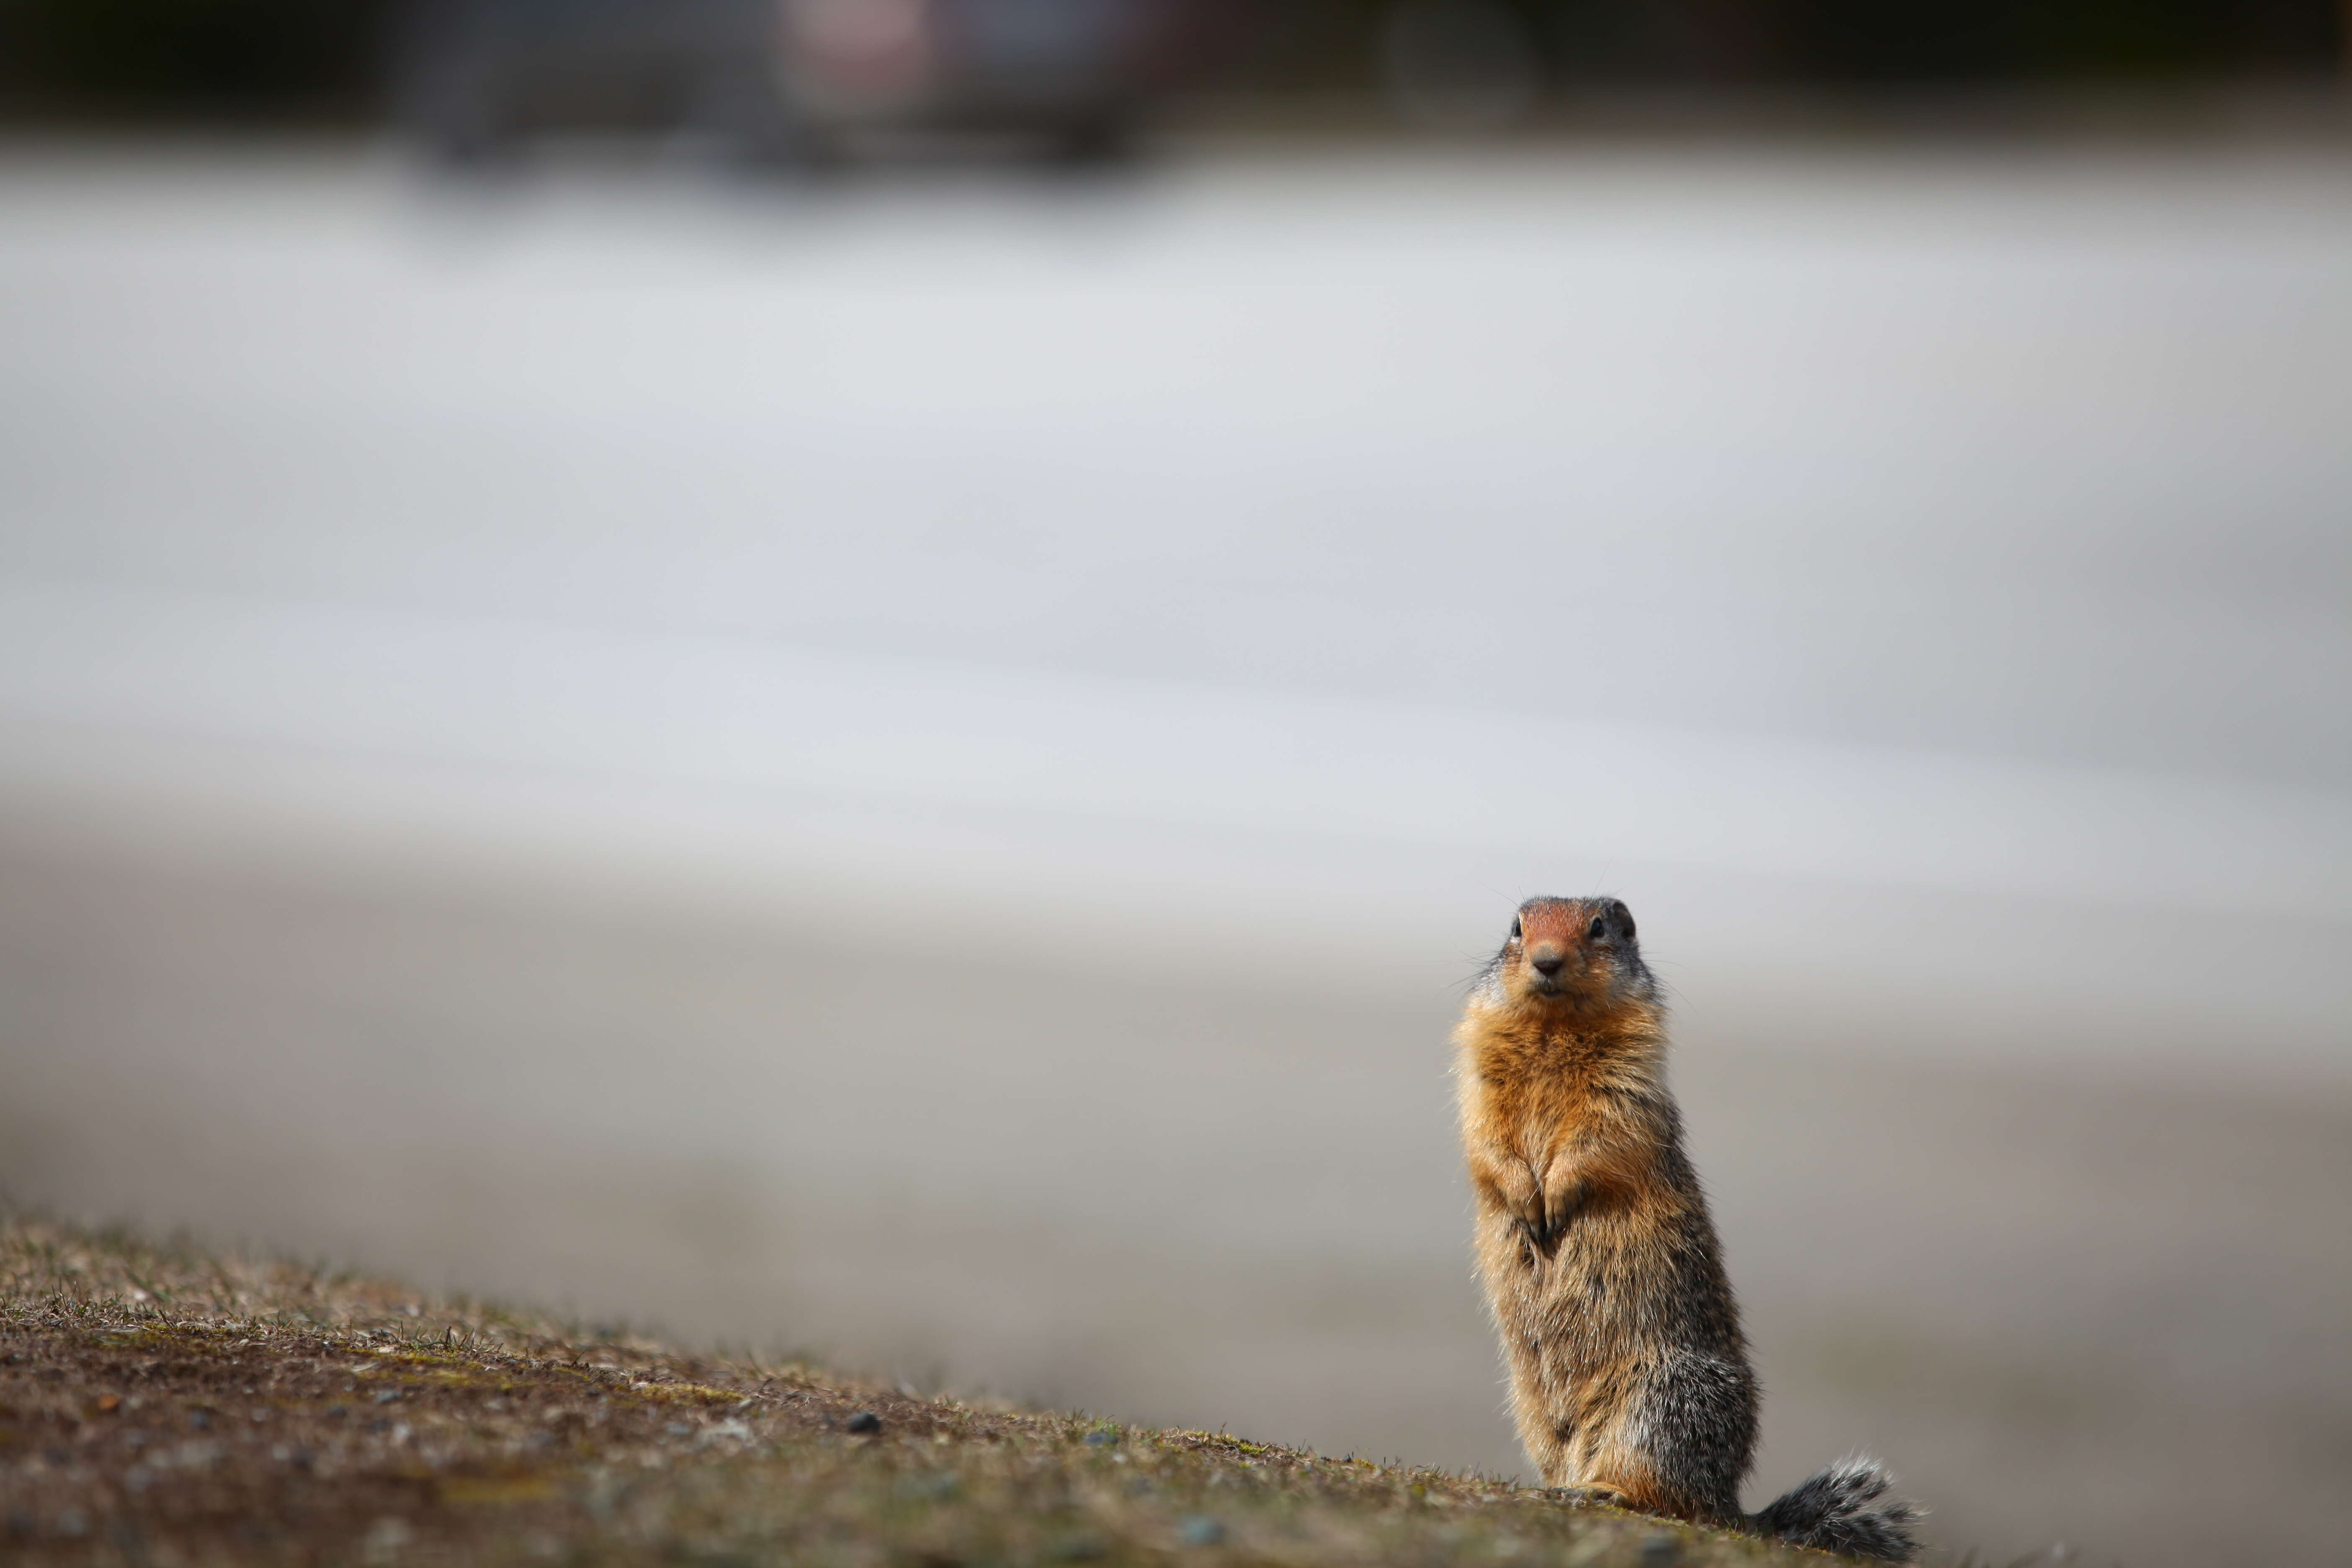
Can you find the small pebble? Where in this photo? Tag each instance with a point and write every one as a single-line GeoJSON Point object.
{"type": "Point", "coordinates": [865, 1421]}
{"type": "Point", "coordinates": [385, 1539]}
{"type": "Point", "coordinates": [1101, 1440]}
{"type": "Point", "coordinates": [937, 1486]}
{"type": "Point", "coordinates": [1202, 1530]}
{"type": "Point", "coordinates": [387, 1396]}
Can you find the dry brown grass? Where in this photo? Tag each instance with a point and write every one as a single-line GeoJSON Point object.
{"type": "Point", "coordinates": [162, 1406]}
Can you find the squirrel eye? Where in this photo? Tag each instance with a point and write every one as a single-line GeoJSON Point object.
{"type": "Point", "coordinates": [1599, 929]}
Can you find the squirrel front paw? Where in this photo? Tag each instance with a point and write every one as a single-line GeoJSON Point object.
{"type": "Point", "coordinates": [1543, 1220]}
{"type": "Point", "coordinates": [1537, 1237]}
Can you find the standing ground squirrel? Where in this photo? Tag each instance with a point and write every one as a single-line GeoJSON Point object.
{"type": "Point", "coordinates": [1629, 1374]}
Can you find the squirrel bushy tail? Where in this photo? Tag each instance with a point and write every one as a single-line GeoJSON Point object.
{"type": "Point", "coordinates": [1838, 1510]}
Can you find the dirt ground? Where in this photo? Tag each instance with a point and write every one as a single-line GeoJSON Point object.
{"type": "Point", "coordinates": [161, 1407]}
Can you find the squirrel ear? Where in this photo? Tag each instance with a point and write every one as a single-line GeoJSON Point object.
{"type": "Point", "coordinates": [1514, 928]}
{"type": "Point", "coordinates": [1624, 918]}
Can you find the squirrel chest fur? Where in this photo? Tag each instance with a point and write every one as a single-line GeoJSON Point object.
{"type": "Point", "coordinates": [1628, 1376]}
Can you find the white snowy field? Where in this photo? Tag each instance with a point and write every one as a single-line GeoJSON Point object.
{"type": "Point", "coordinates": [913, 768]}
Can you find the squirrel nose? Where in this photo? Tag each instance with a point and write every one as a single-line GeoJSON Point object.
{"type": "Point", "coordinates": [1547, 960]}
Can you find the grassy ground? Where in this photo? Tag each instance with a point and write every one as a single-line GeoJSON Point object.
{"type": "Point", "coordinates": [160, 1407]}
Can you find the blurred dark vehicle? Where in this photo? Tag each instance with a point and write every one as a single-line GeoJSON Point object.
{"type": "Point", "coordinates": [795, 81]}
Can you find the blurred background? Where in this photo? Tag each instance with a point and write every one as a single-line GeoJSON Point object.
{"type": "Point", "coordinates": [860, 676]}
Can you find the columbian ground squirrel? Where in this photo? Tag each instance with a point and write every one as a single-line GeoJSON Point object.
{"type": "Point", "coordinates": [1629, 1375]}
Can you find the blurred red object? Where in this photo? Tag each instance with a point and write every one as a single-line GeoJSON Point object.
{"type": "Point", "coordinates": [788, 80]}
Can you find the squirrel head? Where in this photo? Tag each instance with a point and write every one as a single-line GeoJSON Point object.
{"type": "Point", "coordinates": [1572, 954]}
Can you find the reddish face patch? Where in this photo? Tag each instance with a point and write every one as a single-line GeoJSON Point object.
{"type": "Point", "coordinates": [1556, 921]}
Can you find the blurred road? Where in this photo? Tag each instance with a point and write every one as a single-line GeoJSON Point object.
{"type": "Point", "coordinates": [913, 770]}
